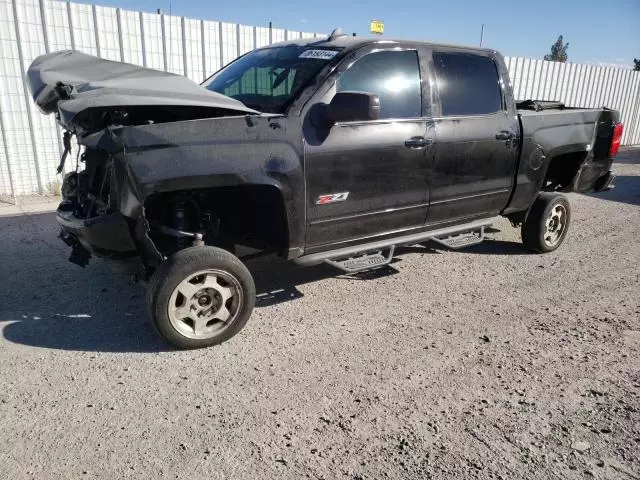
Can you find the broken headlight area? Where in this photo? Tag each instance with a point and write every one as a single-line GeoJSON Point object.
{"type": "Point", "coordinates": [100, 214]}
{"type": "Point", "coordinates": [89, 216]}
{"type": "Point", "coordinates": [87, 191]}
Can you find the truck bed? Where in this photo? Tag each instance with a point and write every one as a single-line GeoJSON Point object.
{"type": "Point", "coordinates": [561, 128]}
{"type": "Point", "coordinates": [559, 111]}
{"type": "Point", "coordinates": [570, 144]}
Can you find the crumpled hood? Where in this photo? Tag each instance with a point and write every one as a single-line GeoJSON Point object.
{"type": "Point", "coordinates": [72, 82]}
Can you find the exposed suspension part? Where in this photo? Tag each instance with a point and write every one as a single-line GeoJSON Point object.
{"type": "Point", "coordinates": [181, 223]}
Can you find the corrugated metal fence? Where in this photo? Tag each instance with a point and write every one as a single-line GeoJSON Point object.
{"type": "Point", "coordinates": [30, 143]}
{"type": "Point", "coordinates": [585, 86]}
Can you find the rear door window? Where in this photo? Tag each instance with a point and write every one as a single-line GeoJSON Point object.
{"type": "Point", "coordinates": [468, 84]}
{"type": "Point", "coordinates": [394, 76]}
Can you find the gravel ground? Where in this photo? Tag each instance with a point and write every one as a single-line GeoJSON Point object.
{"type": "Point", "coordinates": [482, 363]}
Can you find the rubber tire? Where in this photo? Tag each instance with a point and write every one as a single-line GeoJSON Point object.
{"type": "Point", "coordinates": [182, 264]}
{"type": "Point", "coordinates": [533, 228]}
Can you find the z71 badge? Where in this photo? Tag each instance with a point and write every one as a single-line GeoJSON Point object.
{"type": "Point", "coordinates": [332, 198]}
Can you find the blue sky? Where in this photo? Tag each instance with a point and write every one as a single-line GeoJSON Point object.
{"type": "Point", "coordinates": [606, 32]}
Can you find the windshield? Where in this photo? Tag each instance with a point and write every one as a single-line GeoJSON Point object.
{"type": "Point", "coordinates": [269, 79]}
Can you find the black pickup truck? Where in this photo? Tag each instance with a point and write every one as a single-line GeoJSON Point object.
{"type": "Point", "coordinates": [334, 150]}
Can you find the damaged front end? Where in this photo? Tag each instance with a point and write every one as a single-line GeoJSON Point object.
{"type": "Point", "coordinates": [91, 217]}
{"type": "Point", "coordinates": [103, 211]}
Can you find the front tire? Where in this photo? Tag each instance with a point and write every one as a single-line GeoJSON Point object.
{"type": "Point", "coordinates": [200, 297]}
{"type": "Point", "coordinates": [547, 224]}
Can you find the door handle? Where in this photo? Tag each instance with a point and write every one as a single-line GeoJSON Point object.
{"type": "Point", "coordinates": [417, 143]}
{"type": "Point", "coordinates": [504, 135]}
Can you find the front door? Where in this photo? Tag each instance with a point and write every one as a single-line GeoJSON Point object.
{"type": "Point", "coordinates": [368, 178]}
{"type": "Point", "coordinates": [476, 152]}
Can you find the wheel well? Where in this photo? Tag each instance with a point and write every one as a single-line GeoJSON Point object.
{"type": "Point", "coordinates": [562, 170]}
{"type": "Point", "coordinates": [250, 215]}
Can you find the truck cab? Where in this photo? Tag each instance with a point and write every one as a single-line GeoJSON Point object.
{"type": "Point", "coordinates": [438, 153]}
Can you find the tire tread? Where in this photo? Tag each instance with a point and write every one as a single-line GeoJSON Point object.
{"type": "Point", "coordinates": [533, 227]}
{"type": "Point", "coordinates": [174, 269]}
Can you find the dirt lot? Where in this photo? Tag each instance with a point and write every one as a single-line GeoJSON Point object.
{"type": "Point", "coordinates": [484, 363]}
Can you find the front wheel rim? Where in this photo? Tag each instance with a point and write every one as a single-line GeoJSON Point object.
{"type": "Point", "coordinates": [555, 225]}
{"type": "Point", "coordinates": [205, 304]}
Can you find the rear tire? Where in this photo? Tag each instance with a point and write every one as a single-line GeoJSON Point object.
{"type": "Point", "coordinates": [547, 223]}
{"type": "Point", "coordinates": [200, 297]}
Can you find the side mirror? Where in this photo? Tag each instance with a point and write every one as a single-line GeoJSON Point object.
{"type": "Point", "coordinates": [350, 107]}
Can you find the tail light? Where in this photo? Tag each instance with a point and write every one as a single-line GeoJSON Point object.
{"type": "Point", "coordinates": [615, 141]}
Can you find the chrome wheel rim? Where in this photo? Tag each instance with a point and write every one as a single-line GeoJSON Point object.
{"type": "Point", "coordinates": [555, 225]}
{"type": "Point", "coordinates": [205, 304]}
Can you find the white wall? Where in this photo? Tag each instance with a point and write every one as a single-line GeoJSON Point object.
{"type": "Point", "coordinates": [585, 86]}
{"type": "Point", "coordinates": [30, 143]}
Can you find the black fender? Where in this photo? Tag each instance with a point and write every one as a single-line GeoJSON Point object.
{"type": "Point", "coordinates": [209, 153]}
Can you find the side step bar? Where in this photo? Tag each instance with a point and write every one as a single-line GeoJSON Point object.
{"type": "Point", "coordinates": [461, 240]}
{"type": "Point", "coordinates": [443, 235]}
{"type": "Point", "coordinates": [365, 261]}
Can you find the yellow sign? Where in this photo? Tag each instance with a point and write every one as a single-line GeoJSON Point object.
{"type": "Point", "coordinates": [377, 27]}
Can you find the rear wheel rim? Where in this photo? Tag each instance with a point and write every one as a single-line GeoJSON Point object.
{"type": "Point", "coordinates": [205, 304]}
{"type": "Point", "coordinates": [555, 225]}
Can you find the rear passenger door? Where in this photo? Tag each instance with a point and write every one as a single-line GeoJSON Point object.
{"type": "Point", "coordinates": [477, 137]}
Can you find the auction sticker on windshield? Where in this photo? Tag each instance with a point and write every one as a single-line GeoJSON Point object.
{"type": "Point", "coordinates": [319, 54]}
